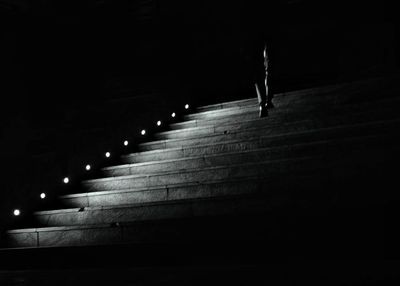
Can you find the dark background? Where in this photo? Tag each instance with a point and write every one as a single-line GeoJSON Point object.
{"type": "Point", "coordinates": [76, 77]}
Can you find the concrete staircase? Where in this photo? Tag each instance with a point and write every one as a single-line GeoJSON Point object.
{"type": "Point", "coordinates": [305, 180]}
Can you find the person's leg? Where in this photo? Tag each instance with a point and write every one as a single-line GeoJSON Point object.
{"type": "Point", "coordinates": [261, 92]}
{"type": "Point", "coordinates": [269, 93]}
{"type": "Point", "coordinates": [261, 89]}
{"type": "Point", "coordinates": [260, 84]}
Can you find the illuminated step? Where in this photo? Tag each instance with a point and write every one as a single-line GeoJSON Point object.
{"type": "Point", "coordinates": [260, 130]}
{"type": "Point", "coordinates": [249, 156]}
{"type": "Point", "coordinates": [263, 141]}
{"type": "Point", "coordinates": [279, 117]}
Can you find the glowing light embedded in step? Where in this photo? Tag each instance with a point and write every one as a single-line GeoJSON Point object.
{"type": "Point", "coordinates": [173, 114]}
{"type": "Point", "coordinates": [88, 167]}
{"type": "Point", "coordinates": [143, 132]}
{"type": "Point", "coordinates": [126, 143]}
{"type": "Point", "coordinates": [66, 180]}
{"type": "Point", "coordinates": [17, 212]}
{"type": "Point", "coordinates": [108, 154]}
{"type": "Point", "coordinates": [158, 123]}
{"type": "Point", "coordinates": [187, 106]}
{"type": "Point", "coordinates": [42, 196]}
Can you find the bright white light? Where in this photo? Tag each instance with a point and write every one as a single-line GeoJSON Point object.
{"type": "Point", "coordinates": [17, 212]}
{"type": "Point", "coordinates": [173, 114]}
{"type": "Point", "coordinates": [158, 123]}
{"type": "Point", "coordinates": [126, 143]}
{"type": "Point", "coordinates": [42, 196]}
{"type": "Point", "coordinates": [187, 106]}
{"type": "Point", "coordinates": [108, 154]}
{"type": "Point", "coordinates": [143, 132]}
{"type": "Point", "coordinates": [88, 167]}
{"type": "Point", "coordinates": [66, 180]}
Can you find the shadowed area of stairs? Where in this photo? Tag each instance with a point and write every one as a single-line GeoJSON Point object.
{"type": "Point", "coordinates": [226, 197]}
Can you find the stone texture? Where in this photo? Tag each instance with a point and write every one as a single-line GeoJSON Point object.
{"type": "Point", "coordinates": [75, 236]}
{"type": "Point", "coordinates": [27, 238]}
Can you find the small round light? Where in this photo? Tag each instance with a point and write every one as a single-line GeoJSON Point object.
{"type": "Point", "coordinates": [88, 167]}
{"type": "Point", "coordinates": [173, 114]}
{"type": "Point", "coordinates": [42, 196]}
{"type": "Point", "coordinates": [187, 106]}
{"type": "Point", "coordinates": [108, 154]}
{"type": "Point", "coordinates": [66, 180]}
{"type": "Point", "coordinates": [126, 143]}
{"type": "Point", "coordinates": [17, 212]}
{"type": "Point", "coordinates": [143, 132]}
{"type": "Point", "coordinates": [158, 123]}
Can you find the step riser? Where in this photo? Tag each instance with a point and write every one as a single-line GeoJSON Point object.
{"type": "Point", "coordinates": [261, 142]}
{"type": "Point", "coordinates": [292, 151]}
{"type": "Point", "coordinates": [292, 113]}
{"type": "Point", "coordinates": [238, 125]}
{"type": "Point", "coordinates": [271, 130]}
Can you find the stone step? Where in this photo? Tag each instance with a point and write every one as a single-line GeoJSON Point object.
{"type": "Point", "coordinates": [266, 169]}
{"type": "Point", "coordinates": [328, 133]}
{"type": "Point", "coordinates": [337, 90]}
{"type": "Point", "coordinates": [277, 117]}
{"type": "Point", "coordinates": [283, 127]}
{"type": "Point", "coordinates": [197, 190]}
{"type": "Point", "coordinates": [248, 156]}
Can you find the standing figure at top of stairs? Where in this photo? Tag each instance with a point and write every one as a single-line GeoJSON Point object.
{"type": "Point", "coordinates": [258, 53]}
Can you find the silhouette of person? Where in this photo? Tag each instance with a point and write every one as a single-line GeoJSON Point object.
{"type": "Point", "coordinates": [261, 74]}
{"type": "Point", "coordinates": [258, 43]}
